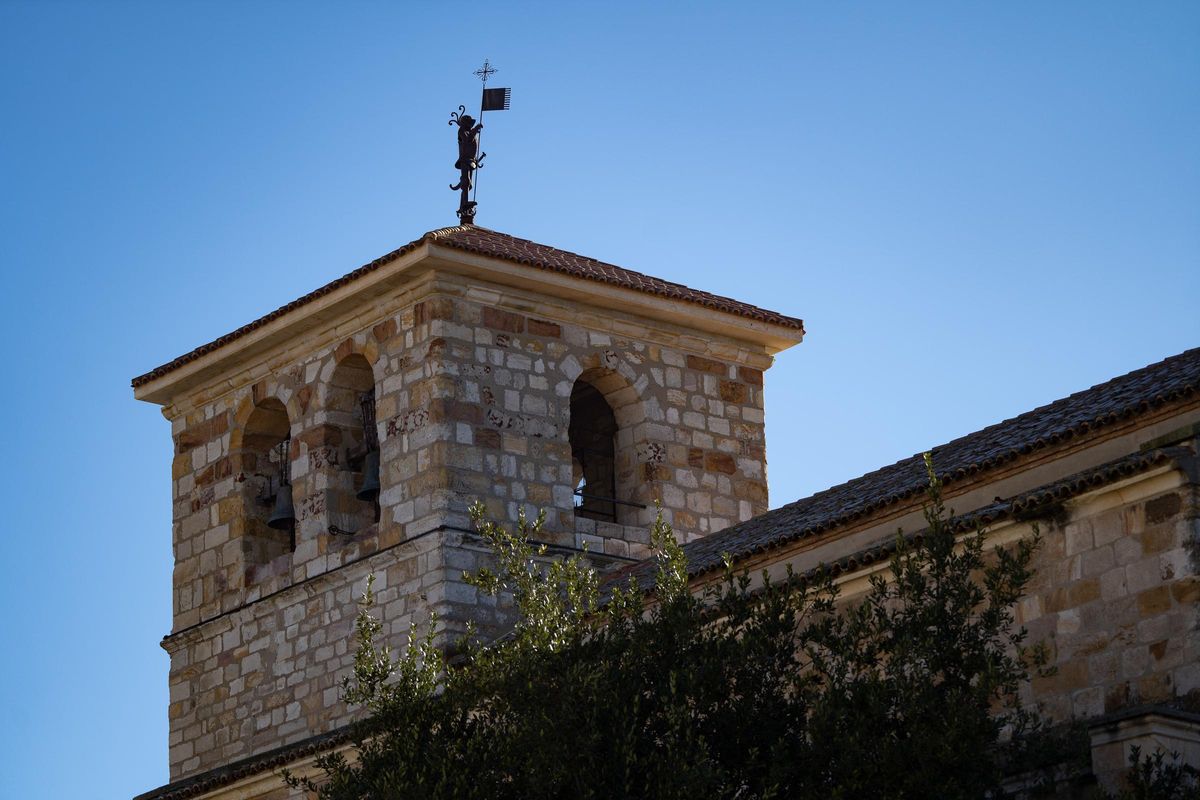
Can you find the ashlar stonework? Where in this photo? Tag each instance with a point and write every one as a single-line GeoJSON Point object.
{"type": "Point", "coordinates": [485, 367]}
{"type": "Point", "coordinates": [471, 378]}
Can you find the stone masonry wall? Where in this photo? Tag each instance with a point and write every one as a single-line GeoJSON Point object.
{"type": "Point", "coordinates": [472, 393]}
{"type": "Point", "coordinates": [690, 427]}
{"type": "Point", "coordinates": [1115, 597]}
{"type": "Point", "coordinates": [269, 673]}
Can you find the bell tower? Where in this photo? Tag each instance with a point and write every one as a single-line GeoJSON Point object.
{"type": "Point", "coordinates": [346, 433]}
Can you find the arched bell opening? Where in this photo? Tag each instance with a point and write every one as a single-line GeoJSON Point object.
{"type": "Point", "coordinates": [268, 504]}
{"type": "Point", "coordinates": [354, 480]}
{"type": "Point", "coordinates": [593, 434]}
{"type": "Point", "coordinates": [604, 412]}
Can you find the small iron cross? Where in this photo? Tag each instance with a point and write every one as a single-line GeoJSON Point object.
{"type": "Point", "coordinates": [485, 72]}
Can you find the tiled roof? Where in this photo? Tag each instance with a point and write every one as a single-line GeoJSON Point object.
{"type": "Point", "coordinates": [1031, 504]}
{"type": "Point", "coordinates": [481, 241]}
{"type": "Point", "coordinates": [522, 251]}
{"type": "Point", "coordinates": [1143, 390]}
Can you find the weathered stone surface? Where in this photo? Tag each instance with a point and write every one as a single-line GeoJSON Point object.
{"type": "Point", "coordinates": [539, 327]}
{"type": "Point", "coordinates": [749, 375]}
{"type": "Point", "coordinates": [384, 330]}
{"type": "Point", "coordinates": [1113, 607]}
{"type": "Point", "coordinates": [473, 401]}
{"type": "Point", "coordinates": [1163, 508]}
{"type": "Point", "coordinates": [733, 392]}
{"type": "Point", "coordinates": [720, 462]}
{"type": "Point", "coordinates": [709, 365]}
{"type": "Point", "coordinates": [503, 320]}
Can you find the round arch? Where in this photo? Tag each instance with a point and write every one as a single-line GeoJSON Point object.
{"type": "Point", "coordinates": [604, 423]}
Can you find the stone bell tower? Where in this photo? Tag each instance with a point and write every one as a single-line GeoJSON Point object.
{"type": "Point", "coordinates": [466, 365]}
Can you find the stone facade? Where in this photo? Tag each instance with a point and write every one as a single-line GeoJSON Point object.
{"type": "Point", "coordinates": [472, 389]}
{"type": "Point", "coordinates": [1115, 598]}
{"type": "Point", "coordinates": [532, 387]}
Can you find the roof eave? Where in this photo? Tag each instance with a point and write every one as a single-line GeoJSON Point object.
{"type": "Point", "coordinates": [176, 380]}
{"type": "Point", "coordinates": [770, 337]}
{"type": "Point", "coordinates": [187, 373]}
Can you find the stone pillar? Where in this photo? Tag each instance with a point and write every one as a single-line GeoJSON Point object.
{"type": "Point", "coordinates": [1150, 729]}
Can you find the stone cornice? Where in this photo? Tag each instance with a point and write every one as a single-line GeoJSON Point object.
{"type": "Point", "coordinates": [311, 586]}
{"type": "Point", "coordinates": [370, 297]}
{"type": "Point", "coordinates": [1131, 479]}
{"type": "Point", "coordinates": [765, 336]}
{"type": "Point", "coordinates": [255, 775]}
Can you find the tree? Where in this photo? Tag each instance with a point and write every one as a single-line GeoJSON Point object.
{"type": "Point", "coordinates": [1159, 776]}
{"type": "Point", "coordinates": [744, 689]}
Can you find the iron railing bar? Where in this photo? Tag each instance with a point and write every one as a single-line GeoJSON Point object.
{"type": "Point", "coordinates": [578, 493]}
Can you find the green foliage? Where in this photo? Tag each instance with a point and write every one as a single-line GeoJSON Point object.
{"type": "Point", "coordinates": [925, 669]}
{"type": "Point", "coordinates": [1153, 777]}
{"type": "Point", "coordinates": [748, 688]}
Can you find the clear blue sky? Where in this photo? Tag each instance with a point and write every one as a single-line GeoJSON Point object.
{"type": "Point", "coordinates": [976, 208]}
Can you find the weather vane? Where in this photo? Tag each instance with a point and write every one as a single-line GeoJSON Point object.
{"type": "Point", "coordinates": [470, 157]}
{"type": "Point", "coordinates": [485, 72]}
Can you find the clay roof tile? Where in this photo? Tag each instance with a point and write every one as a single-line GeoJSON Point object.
{"type": "Point", "coordinates": [482, 241]}
{"type": "Point", "coordinates": [1175, 379]}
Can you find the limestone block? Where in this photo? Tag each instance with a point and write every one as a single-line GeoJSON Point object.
{"type": "Point", "coordinates": [1097, 561]}
{"type": "Point", "coordinates": [1113, 584]}
{"type": "Point", "coordinates": [1078, 537]}
{"type": "Point", "coordinates": [1143, 574]}
{"type": "Point", "coordinates": [1088, 702]}
{"type": "Point", "coordinates": [1127, 550]}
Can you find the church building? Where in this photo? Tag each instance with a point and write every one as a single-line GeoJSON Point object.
{"type": "Point", "coordinates": [346, 433]}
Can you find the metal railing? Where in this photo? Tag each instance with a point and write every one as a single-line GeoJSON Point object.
{"type": "Point", "coordinates": [610, 515]}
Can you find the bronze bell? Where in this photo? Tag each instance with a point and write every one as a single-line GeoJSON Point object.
{"type": "Point", "coordinates": [284, 515]}
{"type": "Point", "coordinates": [370, 484]}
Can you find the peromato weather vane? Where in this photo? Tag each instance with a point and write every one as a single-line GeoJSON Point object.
{"type": "Point", "coordinates": [470, 157]}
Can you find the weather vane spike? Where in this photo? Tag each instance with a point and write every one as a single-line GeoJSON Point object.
{"type": "Point", "coordinates": [470, 157]}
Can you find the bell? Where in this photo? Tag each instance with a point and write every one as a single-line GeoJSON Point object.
{"type": "Point", "coordinates": [370, 484]}
{"type": "Point", "coordinates": [284, 515]}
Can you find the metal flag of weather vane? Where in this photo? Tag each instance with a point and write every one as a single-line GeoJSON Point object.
{"type": "Point", "coordinates": [470, 157]}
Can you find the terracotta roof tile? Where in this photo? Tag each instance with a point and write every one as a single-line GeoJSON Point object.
{"type": "Point", "coordinates": [481, 241]}
{"type": "Point", "coordinates": [1128, 396]}
{"type": "Point", "coordinates": [1028, 505]}
{"type": "Point", "coordinates": [522, 251]}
